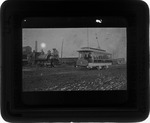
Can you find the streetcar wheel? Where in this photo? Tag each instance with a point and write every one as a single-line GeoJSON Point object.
{"type": "Point", "coordinates": [99, 68]}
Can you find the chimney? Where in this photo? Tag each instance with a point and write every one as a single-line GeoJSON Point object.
{"type": "Point", "coordinates": [35, 46]}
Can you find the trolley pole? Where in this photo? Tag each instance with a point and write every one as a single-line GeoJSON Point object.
{"type": "Point", "coordinates": [97, 41]}
{"type": "Point", "coordinates": [87, 37]}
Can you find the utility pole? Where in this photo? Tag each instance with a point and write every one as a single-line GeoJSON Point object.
{"type": "Point", "coordinates": [35, 46]}
{"type": "Point", "coordinates": [62, 48]}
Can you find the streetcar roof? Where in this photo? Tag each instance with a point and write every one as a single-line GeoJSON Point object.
{"type": "Point", "coordinates": [97, 49]}
{"type": "Point", "coordinates": [90, 49]}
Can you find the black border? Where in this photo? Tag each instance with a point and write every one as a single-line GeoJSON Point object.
{"type": "Point", "coordinates": [75, 99]}
{"type": "Point", "coordinates": [130, 105]}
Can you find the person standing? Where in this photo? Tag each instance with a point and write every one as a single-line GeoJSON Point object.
{"type": "Point", "coordinates": [55, 56]}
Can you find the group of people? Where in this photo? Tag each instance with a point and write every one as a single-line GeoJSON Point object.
{"type": "Point", "coordinates": [87, 56]}
{"type": "Point", "coordinates": [41, 58]}
{"type": "Point", "coordinates": [53, 57]}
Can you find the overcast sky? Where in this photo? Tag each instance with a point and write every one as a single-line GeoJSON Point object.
{"type": "Point", "coordinates": [113, 40]}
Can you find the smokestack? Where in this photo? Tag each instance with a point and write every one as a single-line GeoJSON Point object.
{"type": "Point", "coordinates": [35, 46]}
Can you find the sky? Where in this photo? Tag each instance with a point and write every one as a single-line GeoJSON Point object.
{"type": "Point", "coordinates": [113, 40]}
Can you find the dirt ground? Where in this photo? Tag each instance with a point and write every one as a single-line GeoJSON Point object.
{"type": "Point", "coordinates": [69, 78]}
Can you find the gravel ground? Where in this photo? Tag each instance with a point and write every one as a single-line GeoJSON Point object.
{"type": "Point", "coordinates": [67, 78]}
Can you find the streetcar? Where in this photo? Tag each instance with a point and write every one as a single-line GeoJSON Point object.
{"type": "Point", "coordinates": [93, 58]}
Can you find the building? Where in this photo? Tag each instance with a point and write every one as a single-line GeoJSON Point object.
{"type": "Point", "coordinates": [27, 50]}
